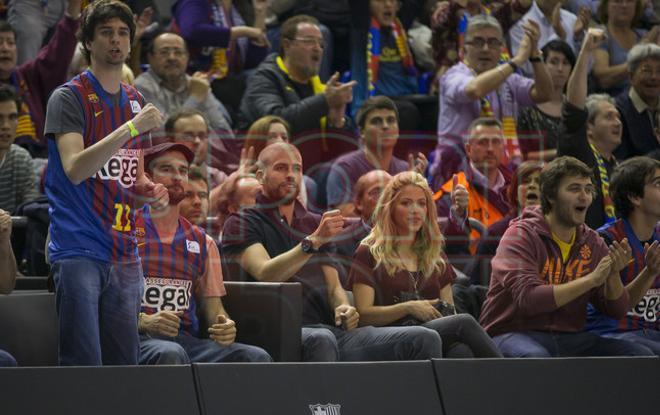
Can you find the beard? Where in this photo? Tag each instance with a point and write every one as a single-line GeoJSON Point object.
{"type": "Point", "coordinates": [176, 194]}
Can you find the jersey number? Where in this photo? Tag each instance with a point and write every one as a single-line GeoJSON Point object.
{"type": "Point", "coordinates": [122, 211]}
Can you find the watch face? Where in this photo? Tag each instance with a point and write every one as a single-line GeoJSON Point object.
{"type": "Point", "coordinates": [306, 245]}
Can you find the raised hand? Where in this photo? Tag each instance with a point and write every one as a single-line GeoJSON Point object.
{"type": "Point", "coordinates": [602, 271]}
{"type": "Point", "coordinates": [332, 222]}
{"type": "Point", "coordinates": [594, 38]}
{"type": "Point", "coordinates": [460, 198]}
{"type": "Point", "coordinates": [199, 85]}
{"type": "Point", "coordinates": [148, 118]}
{"type": "Point", "coordinates": [621, 254]}
{"type": "Point", "coordinates": [652, 257]}
{"type": "Point", "coordinates": [417, 164]}
{"type": "Point", "coordinates": [142, 22]}
{"type": "Point", "coordinates": [582, 22]}
{"type": "Point", "coordinates": [337, 94]}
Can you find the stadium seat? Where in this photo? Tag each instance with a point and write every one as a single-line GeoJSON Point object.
{"type": "Point", "coordinates": [268, 315]}
{"type": "Point", "coordinates": [28, 328]}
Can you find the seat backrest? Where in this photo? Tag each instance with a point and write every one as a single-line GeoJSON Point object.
{"type": "Point", "coordinates": [268, 315]}
{"type": "Point", "coordinates": [29, 328]}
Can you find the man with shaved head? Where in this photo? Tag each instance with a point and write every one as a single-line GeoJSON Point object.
{"type": "Point", "coordinates": [279, 240]}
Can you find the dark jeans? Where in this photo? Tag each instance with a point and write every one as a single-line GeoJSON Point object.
{"type": "Point", "coordinates": [97, 307]}
{"type": "Point", "coordinates": [463, 337]}
{"type": "Point", "coordinates": [648, 338]}
{"type": "Point", "coordinates": [322, 343]}
{"type": "Point", "coordinates": [551, 344]}
{"type": "Point", "coordinates": [183, 349]}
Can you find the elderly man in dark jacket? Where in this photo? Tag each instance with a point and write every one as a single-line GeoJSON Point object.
{"type": "Point", "coordinates": [287, 84]}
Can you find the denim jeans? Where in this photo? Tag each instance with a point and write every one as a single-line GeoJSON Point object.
{"type": "Point", "coordinates": [648, 338]}
{"type": "Point", "coordinates": [323, 343]}
{"type": "Point", "coordinates": [182, 349]}
{"type": "Point", "coordinates": [552, 344]}
{"type": "Point", "coordinates": [463, 337]}
{"type": "Point", "coordinates": [97, 306]}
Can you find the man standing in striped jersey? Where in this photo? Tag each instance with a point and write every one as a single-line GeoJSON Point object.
{"type": "Point", "coordinates": [97, 127]}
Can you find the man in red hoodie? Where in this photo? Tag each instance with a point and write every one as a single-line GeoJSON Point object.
{"type": "Point", "coordinates": [548, 266]}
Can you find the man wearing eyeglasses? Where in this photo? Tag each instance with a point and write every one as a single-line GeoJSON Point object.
{"type": "Point", "coordinates": [287, 84]}
{"type": "Point", "coordinates": [481, 86]}
{"type": "Point", "coordinates": [166, 85]}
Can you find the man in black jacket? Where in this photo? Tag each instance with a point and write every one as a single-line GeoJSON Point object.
{"type": "Point", "coordinates": [287, 84]}
{"type": "Point", "coordinates": [640, 106]}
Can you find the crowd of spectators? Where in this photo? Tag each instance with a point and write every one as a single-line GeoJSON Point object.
{"type": "Point", "coordinates": [392, 148]}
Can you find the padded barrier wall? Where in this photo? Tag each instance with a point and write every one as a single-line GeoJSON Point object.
{"type": "Point", "coordinates": [443, 387]}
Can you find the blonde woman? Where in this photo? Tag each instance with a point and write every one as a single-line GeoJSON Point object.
{"type": "Point", "coordinates": [401, 276]}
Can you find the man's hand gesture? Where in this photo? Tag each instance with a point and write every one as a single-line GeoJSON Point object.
{"type": "Point", "coordinates": [332, 222]}
{"type": "Point", "coordinates": [347, 317]}
{"type": "Point", "coordinates": [162, 323]}
{"type": "Point", "coordinates": [223, 331]}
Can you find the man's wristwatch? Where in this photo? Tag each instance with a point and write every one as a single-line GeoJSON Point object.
{"type": "Point", "coordinates": [537, 58]}
{"type": "Point", "coordinates": [307, 246]}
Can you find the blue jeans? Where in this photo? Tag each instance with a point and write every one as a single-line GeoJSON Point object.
{"type": "Point", "coordinates": [648, 338]}
{"type": "Point", "coordinates": [7, 360]}
{"type": "Point", "coordinates": [550, 344]}
{"type": "Point", "coordinates": [463, 337]}
{"type": "Point", "coordinates": [323, 343]}
{"type": "Point", "coordinates": [97, 307]}
{"type": "Point", "coordinates": [182, 350]}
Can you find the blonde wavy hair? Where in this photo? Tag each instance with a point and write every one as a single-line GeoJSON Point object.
{"type": "Point", "coordinates": [382, 240]}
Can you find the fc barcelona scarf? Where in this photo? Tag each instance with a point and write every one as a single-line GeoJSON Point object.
{"type": "Point", "coordinates": [374, 49]}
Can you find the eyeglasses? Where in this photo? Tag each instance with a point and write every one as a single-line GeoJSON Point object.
{"type": "Point", "coordinates": [479, 42]}
{"type": "Point", "coordinates": [311, 41]}
{"type": "Point", "coordinates": [166, 52]}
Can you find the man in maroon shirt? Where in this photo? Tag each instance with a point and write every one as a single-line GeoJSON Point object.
{"type": "Point", "coordinates": [548, 266]}
{"type": "Point", "coordinates": [35, 79]}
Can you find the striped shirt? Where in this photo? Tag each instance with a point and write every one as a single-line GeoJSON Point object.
{"type": "Point", "coordinates": [17, 179]}
{"type": "Point", "coordinates": [95, 219]}
{"type": "Point", "coordinates": [177, 269]}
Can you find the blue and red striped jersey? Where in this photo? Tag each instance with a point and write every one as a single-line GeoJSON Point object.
{"type": "Point", "coordinates": [643, 315]}
{"type": "Point", "coordinates": [96, 218]}
{"type": "Point", "coordinates": [172, 270]}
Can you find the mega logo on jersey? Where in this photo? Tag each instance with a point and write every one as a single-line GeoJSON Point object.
{"type": "Point", "coordinates": [167, 294]}
{"type": "Point", "coordinates": [649, 307]}
{"type": "Point", "coordinates": [121, 167]}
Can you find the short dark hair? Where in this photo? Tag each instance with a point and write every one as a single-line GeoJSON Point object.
{"type": "Point", "coordinates": [8, 93]}
{"type": "Point", "coordinates": [378, 102]}
{"type": "Point", "coordinates": [100, 12]}
{"type": "Point", "coordinates": [182, 113]}
{"type": "Point", "coordinates": [553, 173]}
{"type": "Point", "coordinates": [196, 174]}
{"type": "Point", "coordinates": [483, 121]}
{"type": "Point", "coordinates": [559, 46]}
{"type": "Point", "coordinates": [6, 27]}
{"type": "Point", "coordinates": [628, 180]}
{"type": "Point", "coordinates": [289, 28]}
